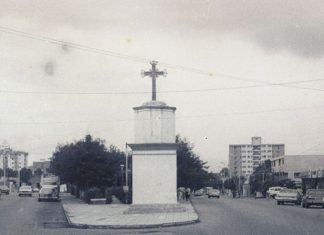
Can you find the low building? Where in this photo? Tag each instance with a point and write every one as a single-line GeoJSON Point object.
{"type": "Point", "coordinates": [299, 166]}
{"type": "Point", "coordinates": [43, 165]}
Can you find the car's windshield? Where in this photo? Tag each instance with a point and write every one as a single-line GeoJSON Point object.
{"type": "Point", "coordinates": [25, 187]}
{"type": "Point", "coordinates": [316, 192]}
{"type": "Point", "coordinates": [46, 190]}
{"type": "Point", "coordinates": [288, 191]}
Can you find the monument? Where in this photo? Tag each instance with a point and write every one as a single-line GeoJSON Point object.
{"type": "Point", "coordinates": [154, 150]}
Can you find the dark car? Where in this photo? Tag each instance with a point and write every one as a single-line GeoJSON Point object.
{"type": "Point", "coordinates": [313, 197]}
{"type": "Point", "coordinates": [4, 189]}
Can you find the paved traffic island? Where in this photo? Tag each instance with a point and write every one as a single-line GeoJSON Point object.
{"type": "Point", "coordinates": [82, 215]}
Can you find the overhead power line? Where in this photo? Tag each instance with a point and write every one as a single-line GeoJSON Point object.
{"type": "Point", "coordinates": [146, 92]}
{"type": "Point", "coordinates": [179, 117]}
{"type": "Point", "coordinates": [20, 33]}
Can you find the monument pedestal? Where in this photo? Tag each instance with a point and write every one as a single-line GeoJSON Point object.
{"type": "Point", "coordinates": [154, 155]}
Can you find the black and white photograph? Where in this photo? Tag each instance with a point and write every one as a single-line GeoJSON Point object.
{"type": "Point", "coordinates": [161, 117]}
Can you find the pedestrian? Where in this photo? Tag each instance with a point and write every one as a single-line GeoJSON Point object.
{"type": "Point", "coordinates": [187, 194]}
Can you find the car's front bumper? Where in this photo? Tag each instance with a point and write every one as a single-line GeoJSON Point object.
{"type": "Point", "coordinates": [48, 197]}
{"type": "Point", "coordinates": [25, 193]}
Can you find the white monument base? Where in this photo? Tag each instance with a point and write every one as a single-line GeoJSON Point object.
{"type": "Point", "coordinates": [154, 174]}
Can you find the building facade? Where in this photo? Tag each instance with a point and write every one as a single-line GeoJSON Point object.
{"type": "Point", "coordinates": [43, 165]}
{"type": "Point", "coordinates": [15, 160]}
{"type": "Point", "coordinates": [299, 166]}
{"type": "Point", "coordinates": [245, 158]}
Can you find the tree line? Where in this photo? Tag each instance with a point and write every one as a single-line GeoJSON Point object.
{"type": "Point", "coordinates": [89, 163]}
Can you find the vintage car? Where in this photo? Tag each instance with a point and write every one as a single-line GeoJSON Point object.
{"type": "Point", "coordinates": [49, 193]}
{"type": "Point", "coordinates": [4, 189]}
{"type": "Point", "coordinates": [313, 197]}
{"type": "Point", "coordinates": [213, 193]}
{"type": "Point", "coordinates": [25, 191]}
{"type": "Point", "coordinates": [199, 192]}
{"type": "Point", "coordinates": [288, 196]}
{"type": "Point", "coordinates": [272, 192]}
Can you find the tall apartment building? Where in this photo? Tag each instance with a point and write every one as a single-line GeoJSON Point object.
{"type": "Point", "coordinates": [15, 160]}
{"type": "Point", "coordinates": [245, 158]}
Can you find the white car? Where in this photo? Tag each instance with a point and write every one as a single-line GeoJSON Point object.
{"type": "Point", "coordinates": [25, 191]}
{"type": "Point", "coordinates": [273, 191]}
{"type": "Point", "coordinates": [288, 196]}
{"type": "Point", "coordinates": [49, 193]}
{"type": "Point", "coordinates": [213, 193]}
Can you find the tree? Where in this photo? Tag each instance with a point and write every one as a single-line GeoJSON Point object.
{"type": "Point", "coordinates": [25, 175]}
{"type": "Point", "coordinates": [11, 173]}
{"type": "Point", "coordinates": [262, 178]}
{"type": "Point", "coordinates": [214, 180]}
{"type": "Point", "coordinates": [87, 163]}
{"type": "Point", "coordinates": [191, 171]}
{"type": "Point", "coordinates": [224, 172]}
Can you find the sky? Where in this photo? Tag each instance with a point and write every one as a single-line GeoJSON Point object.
{"type": "Point", "coordinates": [236, 69]}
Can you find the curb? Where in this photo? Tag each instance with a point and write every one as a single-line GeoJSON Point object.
{"type": "Point", "coordinates": [139, 226]}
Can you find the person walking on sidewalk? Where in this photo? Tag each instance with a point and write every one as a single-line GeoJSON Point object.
{"type": "Point", "coordinates": [187, 194]}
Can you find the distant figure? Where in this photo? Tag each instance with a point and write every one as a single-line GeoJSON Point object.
{"type": "Point", "coordinates": [187, 194]}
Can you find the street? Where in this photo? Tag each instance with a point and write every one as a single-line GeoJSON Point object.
{"type": "Point", "coordinates": [25, 215]}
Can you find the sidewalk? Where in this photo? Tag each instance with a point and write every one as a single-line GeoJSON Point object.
{"type": "Point", "coordinates": [82, 215]}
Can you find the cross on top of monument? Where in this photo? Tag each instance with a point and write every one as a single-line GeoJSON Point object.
{"type": "Point", "coordinates": [153, 73]}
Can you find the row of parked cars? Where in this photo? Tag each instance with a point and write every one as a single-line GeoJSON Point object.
{"type": "Point", "coordinates": [47, 192]}
{"type": "Point", "coordinates": [296, 196]}
{"type": "Point", "coordinates": [210, 192]}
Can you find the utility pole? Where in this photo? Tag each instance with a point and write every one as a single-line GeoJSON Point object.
{"type": "Point", "coordinates": [4, 168]}
{"type": "Point", "coordinates": [126, 165]}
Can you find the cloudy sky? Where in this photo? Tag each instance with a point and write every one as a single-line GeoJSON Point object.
{"type": "Point", "coordinates": [236, 69]}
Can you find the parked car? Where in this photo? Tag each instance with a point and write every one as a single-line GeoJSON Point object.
{"type": "Point", "coordinates": [199, 192]}
{"type": "Point", "coordinates": [49, 193]}
{"type": "Point", "coordinates": [288, 196]}
{"type": "Point", "coordinates": [273, 191]}
{"type": "Point", "coordinates": [25, 191]}
{"type": "Point", "coordinates": [35, 190]}
{"type": "Point", "coordinates": [4, 189]}
{"type": "Point", "coordinates": [258, 195]}
{"type": "Point", "coordinates": [213, 193]}
{"type": "Point", "coordinates": [313, 197]}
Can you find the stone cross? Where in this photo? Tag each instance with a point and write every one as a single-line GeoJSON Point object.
{"type": "Point", "coordinates": [153, 73]}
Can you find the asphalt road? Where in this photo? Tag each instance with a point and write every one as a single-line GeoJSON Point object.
{"type": "Point", "coordinates": [25, 215]}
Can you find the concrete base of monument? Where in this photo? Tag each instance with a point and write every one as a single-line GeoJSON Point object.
{"type": "Point", "coordinates": [119, 216]}
{"type": "Point", "coordinates": [156, 208]}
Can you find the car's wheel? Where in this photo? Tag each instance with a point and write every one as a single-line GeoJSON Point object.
{"type": "Point", "coordinates": [306, 205]}
{"type": "Point", "coordinates": [278, 203]}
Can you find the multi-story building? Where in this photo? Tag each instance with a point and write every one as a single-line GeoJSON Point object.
{"type": "Point", "coordinates": [15, 160]}
{"type": "Point", "coordinates": [245, 158]}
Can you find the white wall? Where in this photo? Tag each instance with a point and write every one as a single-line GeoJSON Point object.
{"type": "Point", "coordinates": [154, 177]}
{"type": "Point", "coordinates": [154, 125]}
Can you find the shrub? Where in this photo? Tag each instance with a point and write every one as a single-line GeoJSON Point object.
{"type": "Point", "coordinates": [93, 193]}
{"type": "Point", "coordinates": [108, 196]}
